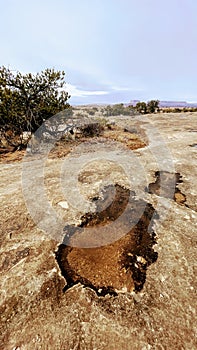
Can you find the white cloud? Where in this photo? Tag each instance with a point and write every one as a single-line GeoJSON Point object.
{"type": "Point", "coordinates": [118, 88]}
{"type": "Point", "coordinates": [76, 92]}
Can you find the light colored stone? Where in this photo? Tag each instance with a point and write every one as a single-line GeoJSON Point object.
{"type": "Point", "coordinates": [64, 204]}
{"type": "Point", "coordinates": [35, 313]}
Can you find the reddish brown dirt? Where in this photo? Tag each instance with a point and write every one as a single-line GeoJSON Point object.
{"type": "Point", "coordinates": [63, 148]}
{"type": "Point", "coordinates": [130, 140]}
{"type": "Point", "coordinates": [114, 267]}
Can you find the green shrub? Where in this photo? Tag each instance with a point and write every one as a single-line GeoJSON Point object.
{"type": "Point", "coordinates": [92, 129]}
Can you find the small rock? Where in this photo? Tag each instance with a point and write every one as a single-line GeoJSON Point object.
{"type": "Point", "coordinates": [64, 205]}
{"type": "Point", "coordinates": [141, 260]}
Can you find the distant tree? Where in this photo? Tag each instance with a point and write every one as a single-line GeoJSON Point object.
{"type": "Point", "coordinates": [141, 107]}
{"type": "Point", "coordinates": [152, 106]}
{"type": "Point", "coordinates": [129, 110]}
{"type": "Point", "coordinates": [118, 109]}
{"type": "Point", "coordinates": [108, 111]}
{"type": "Point", "coordinates": [177, 110]}
{"type": "Point", "coordinates": [26, 100]}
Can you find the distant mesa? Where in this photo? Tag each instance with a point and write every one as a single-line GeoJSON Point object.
{"type": "Point", "coordinates": [169, 103]}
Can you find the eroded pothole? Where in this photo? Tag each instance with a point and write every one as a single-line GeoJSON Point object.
{"type": "Point", "coordinates": [117, 267]}
{"type": "Point", "coordinates": [166, 185]}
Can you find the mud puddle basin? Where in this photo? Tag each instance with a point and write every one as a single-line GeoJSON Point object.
{"type": "Point", "coordinates": [120, 265]}
{"type": "Point", "coordinates": [166, 185]}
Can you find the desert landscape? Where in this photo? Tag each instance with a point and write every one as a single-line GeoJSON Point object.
{"type": "Point", "coordinates": [98, 236]}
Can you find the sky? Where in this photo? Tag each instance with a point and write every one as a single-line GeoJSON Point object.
{"type": "Point", "coordinates": [111, 50]}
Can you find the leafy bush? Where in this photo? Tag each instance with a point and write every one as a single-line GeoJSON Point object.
{"type": "Point", "coordinates": [90, 111]}
{"type": "Point", "coordinates": [118, 109]}
{"type": "Point", "coordinates": [26, 100]}
{"type": "Point", "coordinates": [149, 107]}
{"type": "Point", "coordinates": [92, 129]}
{"type": "Point", "coordinates": [153, 106]}
{"type": "Point", "coordinates": [141, 107]}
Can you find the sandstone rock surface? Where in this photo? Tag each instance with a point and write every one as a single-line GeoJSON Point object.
{"type": "Point", "coordinates": [38, 312]}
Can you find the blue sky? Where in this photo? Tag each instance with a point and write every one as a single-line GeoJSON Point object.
{"type": "Point", "coordinates": [111, 50]}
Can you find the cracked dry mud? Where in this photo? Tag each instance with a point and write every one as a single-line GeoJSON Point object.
{"type": "Point", "coordinates": [41, 308]}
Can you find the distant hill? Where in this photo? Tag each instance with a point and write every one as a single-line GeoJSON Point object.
{"type": "Point", "coordinates": [162, 104]}
{"type": "Point", "coordinates": [169, 103]}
